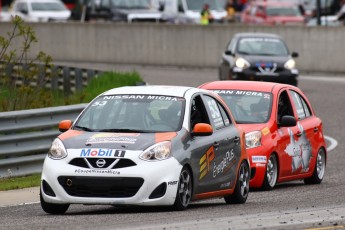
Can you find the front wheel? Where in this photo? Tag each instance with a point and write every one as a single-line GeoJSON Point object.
{"type": "Point", "coordinates": [184, 190]}
{"type": "Point", "coordinates": [271, 173]}
{"type": "Point", "coordinates": [241, 191]}
{"type": "Point", "coordinates": [319, 170]}
{"type": "Point", "coordinates": [53, 208]}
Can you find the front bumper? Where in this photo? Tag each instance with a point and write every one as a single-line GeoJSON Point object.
{"type": "Point", "coordinates": [258, 163]}
{"type": "Point", "coordinates": [281, 76]}
{"type": "Point", "coordinates": [143, 184]}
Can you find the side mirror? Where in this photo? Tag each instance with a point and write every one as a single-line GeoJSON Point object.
{"type": "Point", "coordinates": [294, 54]}
{"type": "Point", "coordinates": [202, 129]}
{"type": "Point", "coordinates": [287, 121]}
{"type": "Point", "coordinates": [65, 125]}
{"type": "Point", "coordinates": [228, 52]}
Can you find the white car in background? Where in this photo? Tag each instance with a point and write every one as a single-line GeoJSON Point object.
{"type": "Point", "coordinates": [40, 10]}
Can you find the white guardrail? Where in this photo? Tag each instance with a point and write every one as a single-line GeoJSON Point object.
{"type": "Point", "coordinates": [26, 136]}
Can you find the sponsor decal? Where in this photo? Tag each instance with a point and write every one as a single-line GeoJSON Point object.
{"type": "Point", "coordinates": [225, 164]}
{"type": "Point", "coordinates": [141, 97]}
{"type": "Point", "coordinates": [102, 153]}
{"type": "Point", "coordinates": [243, 92]}
{"type": "Point", "coordinates": [225, 185]}
{"type": "Point", "coordinates": [172, 182]}
{"type": "Point", "coordinates": [126, 138]}
{"type": "Point", "coordinates": [98, 171]}
{"type": "Point", "coordinates": [299, 150]}
{"type": "Point", "coordinates": [260, 165]}
{"type": "Point", "coordinates": [265, 131]}
{"type": "Point", "coordinates": [259, 159]}
{"type": "Point", "coordinates": [96, 152]}
{"type": "Point", "coordinates": [205, 162]}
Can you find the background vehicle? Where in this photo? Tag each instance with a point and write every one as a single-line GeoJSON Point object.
{"type": "Point", "coordinates": [258, 57]}
{"type": "Point", "coordinates": [188, 11]}
{"type": "Point", "coordinates": [272, 13]}
{"type": "Point", "coordinates": [119, 10]}
{"type": "Point", "coordinates": [40, 10]}
{"type": "Point", "coordinates": [116, 151]}
{"type": "Point", "coordinates": [284, 136]}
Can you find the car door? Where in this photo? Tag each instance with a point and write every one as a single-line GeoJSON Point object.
{"type": "Point", "coordinates": [217, 155]}
{"type": "Point", "coordinates": [287, 140]}
{"type": "Point", "coordinates": [308, 131]}
{"type": "Point", "coordinates": [22, 10]}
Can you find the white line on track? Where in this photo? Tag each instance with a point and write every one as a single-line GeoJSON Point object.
{"type": "Point", "coordinates": [333, 144]}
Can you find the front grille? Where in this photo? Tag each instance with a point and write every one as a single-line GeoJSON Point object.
{"type": "Point", "coordinates": [83, 163]}
{"type": "Point", "coordinates": [118, 187]}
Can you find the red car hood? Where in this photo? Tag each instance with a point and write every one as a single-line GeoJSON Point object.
{"type": "Point", "coordinates": [287, 19]}
{"type": "Point", "coordinates": [252, 127]}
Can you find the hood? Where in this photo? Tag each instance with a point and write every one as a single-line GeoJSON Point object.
{"type": "Point", "coordinates": [73, 139]}
{"type": "Point", "coordinates": [253, 127]}
{"type": "Point", "coordinates": [253, 60]}
{"type": "Point", "coordinates": [287, 20]}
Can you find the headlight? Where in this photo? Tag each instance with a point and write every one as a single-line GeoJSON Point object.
{"type": "Point", "coordinates": [290, 64]}
{"type": "Point", "coordinates": [57, 151]}
{"type": "Point", "coordinates": [253, 139]}
{"type": "Point", "coordinates": [157, 152]}
{"type": "Point", "coordinates": [242, 63]}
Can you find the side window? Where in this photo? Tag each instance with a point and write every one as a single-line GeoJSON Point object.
{"type": "Point", "coordinates": [303, 111]}
{"type": "Point", "coordinates": [284, 105]}
{"type": "Point", "coordinates": [198, 112]}
{"type": "Point", "coordinates": [218, 115]}
{"type": "Point", "coordinates": [22, 7]}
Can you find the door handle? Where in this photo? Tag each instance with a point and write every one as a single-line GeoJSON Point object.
{"type": "Point", "coordinates": [216, 144]}
{"type": "Point", "coordinates": [316, 129]}
{"type": "Point", "coordinates": [236, 139]}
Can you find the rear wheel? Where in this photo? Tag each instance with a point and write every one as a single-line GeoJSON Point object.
{"type": "Point", "coordinates": [53, 208]}
{"type": "Point", "coordinates": [319, 170]}
{"type": "Point", "coordinates": [271, 173]}
{"type": "Point", "coordinates": [184, 190]}
{"type": "Point", "coordinates": [241, 191]}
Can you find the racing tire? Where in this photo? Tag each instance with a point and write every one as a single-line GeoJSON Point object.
{"type": "Point", "coordinates": [241, 191]}
{"type": "Point", "coordinates": [53, 208]}
{"type": "Point", "coordinates": [271, 173]}
{"type": "Point", "coordinates": [184, 190]}
{"type": "Point", "coordinates": [319, 170]}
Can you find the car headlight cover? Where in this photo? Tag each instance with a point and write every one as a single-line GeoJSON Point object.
{"type": "Point", "coordinates": [57, 151]}
{"type": "Point", "coordinates": [242, 63]}
{"type": "Point", "coordinates": [290, 64]}
{"type": "Point", "coordinates": [157, 152]}
{"type": "Point", "coordinates": [253, 139]}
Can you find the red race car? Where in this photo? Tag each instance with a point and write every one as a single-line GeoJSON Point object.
{"type": "Point", "coordinates": [284, 137]}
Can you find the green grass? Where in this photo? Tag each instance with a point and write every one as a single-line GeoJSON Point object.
{"type": "Point", "coordinates": [29, 98]}
{"type": "Point", "coordinates": [20, 182]}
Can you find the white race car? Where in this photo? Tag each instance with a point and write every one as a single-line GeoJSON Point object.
{"type": "Point", "coordinates": [147, 145]}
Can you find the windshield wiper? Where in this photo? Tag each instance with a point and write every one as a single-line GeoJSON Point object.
{"type": "Point", "coordinates": [83, 128]}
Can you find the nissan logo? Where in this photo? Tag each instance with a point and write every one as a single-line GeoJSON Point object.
{"type": "Point", "coordinates": [100, 163]}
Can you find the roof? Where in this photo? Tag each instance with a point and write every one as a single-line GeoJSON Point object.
{"type": "Point", "coordinates": [253, 34]}
{"type": "Point", "coordinates": [175, 91]}
{"type": "Point", "coordinates": [242, 85]}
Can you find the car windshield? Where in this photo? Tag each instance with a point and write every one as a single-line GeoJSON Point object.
{"type": "Point", "coordinates": [248, 107]}
{"type": "Point", "coordinates": [47, 6]}
{"type": "Point", "coordinates": [262, 46]}
{"type": "Point", "coordinates": [283, 11]}
{"type": "Point", "coordinates": [199, 4]}
{"type": "Point", "coordinates": [128, 4]}
{"type": "Point", "coordinates": [133, 113]}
